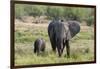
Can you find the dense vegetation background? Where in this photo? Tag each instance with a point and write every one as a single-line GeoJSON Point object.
{"type": "Point", "coordinates": [54, 12]}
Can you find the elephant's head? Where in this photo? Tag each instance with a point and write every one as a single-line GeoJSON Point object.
{"type": "Point", "coordinates": [64, 32]}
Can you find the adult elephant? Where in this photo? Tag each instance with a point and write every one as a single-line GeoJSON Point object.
{"type": "Point", "coordinates": [60, 33]}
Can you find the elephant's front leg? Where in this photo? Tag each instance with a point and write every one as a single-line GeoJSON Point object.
{"type": "Point", "coordinates": [63, 48]}
{"type": "Point", "coordinates": [68, 48]}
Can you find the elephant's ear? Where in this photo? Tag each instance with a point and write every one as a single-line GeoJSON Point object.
{"type": "Point", "coordinates": [71, 29]}
{"type": "Point", "coordinates": [74, 27]}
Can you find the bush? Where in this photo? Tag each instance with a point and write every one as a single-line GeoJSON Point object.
{"type": "Point", "coordinates": [90, 20]}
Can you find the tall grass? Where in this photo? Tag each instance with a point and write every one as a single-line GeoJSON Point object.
{"type": "Point", "coordinates": [82, 46]}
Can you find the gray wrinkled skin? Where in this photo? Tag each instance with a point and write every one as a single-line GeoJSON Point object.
{"type": "Point", "coordinates": [39, 46]}
{"type": "Point", "coordinates": [60, 33]}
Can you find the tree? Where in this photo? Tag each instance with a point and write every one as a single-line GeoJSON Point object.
{"type": "Point", "coordinates": [19, 11]}
{"type": "Point", "coordinates": [54, 12]}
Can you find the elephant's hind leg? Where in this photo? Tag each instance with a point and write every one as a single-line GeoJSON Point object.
{"type": "Point", "coordinates": [53, 45]}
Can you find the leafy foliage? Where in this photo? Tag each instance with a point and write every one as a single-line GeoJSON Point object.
{"type": "Point", "coordinates": [56, 12]}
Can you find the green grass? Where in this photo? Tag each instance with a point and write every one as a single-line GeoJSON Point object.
{"type": "Point", "coordinates": [82, 47]}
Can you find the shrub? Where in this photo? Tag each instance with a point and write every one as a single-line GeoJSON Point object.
{"type": "Point", "coordinates": [90, 20]}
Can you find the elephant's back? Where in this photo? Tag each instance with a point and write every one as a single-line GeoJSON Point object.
{"type": "Point", "coordinates": [39, 42]}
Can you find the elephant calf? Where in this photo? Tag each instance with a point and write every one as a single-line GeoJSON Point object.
{"type": "Point", "coordinates": [39, 46]}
